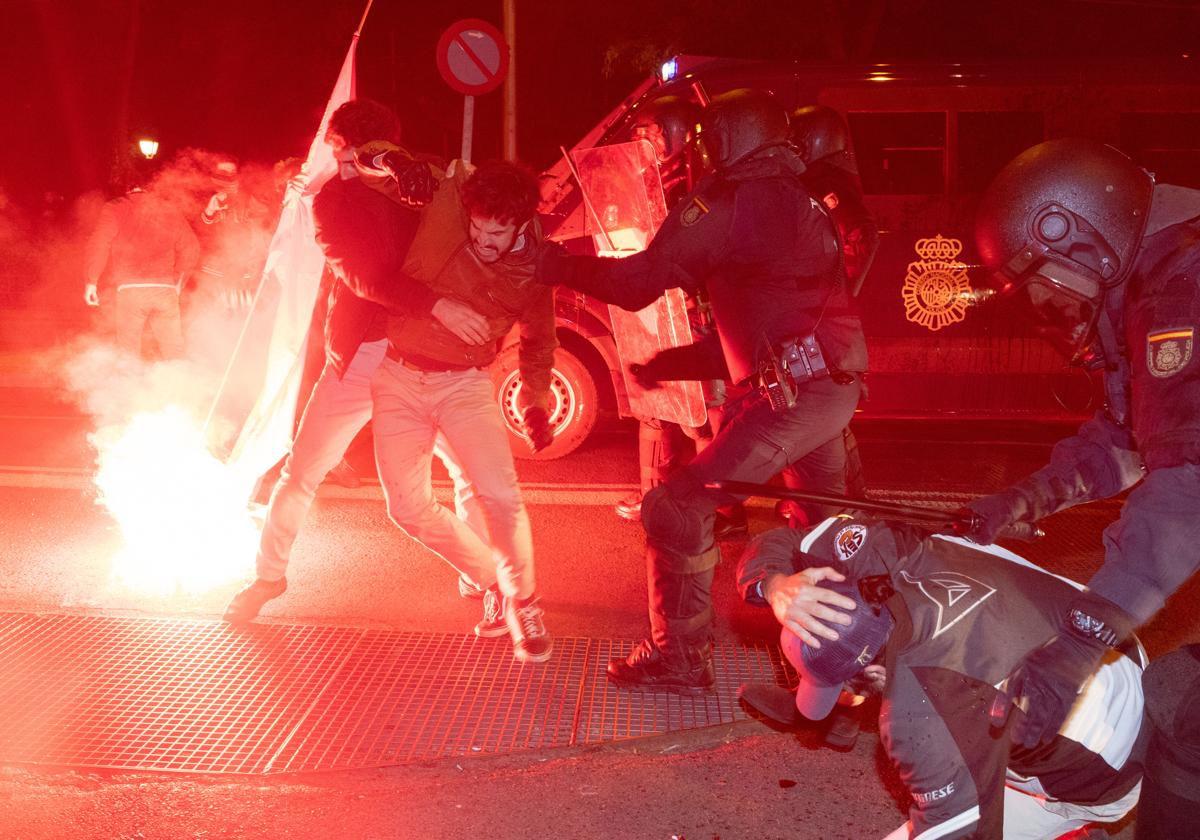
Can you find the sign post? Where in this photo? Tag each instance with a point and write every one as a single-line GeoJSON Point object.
{"type": "Point", "coordinates": [472, 57]}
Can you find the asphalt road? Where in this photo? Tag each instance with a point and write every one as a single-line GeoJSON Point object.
{"type": "Point", "coordinates": [352, 567]}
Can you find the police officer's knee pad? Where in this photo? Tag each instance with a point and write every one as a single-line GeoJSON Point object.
{"type": "Point", "coordinates": [674, 522]}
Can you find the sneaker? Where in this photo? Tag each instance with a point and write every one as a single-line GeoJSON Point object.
{"type": "Point", "coordinates": [688, 672]}
{"type": "Point", "coordinates": [468, 589]}
{"type": "Point", "coordinates": [492, 624]}
{"type": "Point", "coordinates": [245, 605]}
{"type": "Point", "coordinates": [771, 701]}
{"type": "Point", "coordinates": [630, 507]}
{"type": "Point", "coordinates": [844, 724]}
{"type": "Point", "coordinates": [531, 642]}
{"type": "Point", "coordinates": [343, 475]}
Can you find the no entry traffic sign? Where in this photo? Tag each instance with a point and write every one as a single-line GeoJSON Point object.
{"type": "Point", "coordinates": [472, 56]}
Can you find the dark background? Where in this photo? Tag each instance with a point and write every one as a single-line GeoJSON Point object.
{"type": "Point", "coordinates": [81, 78]}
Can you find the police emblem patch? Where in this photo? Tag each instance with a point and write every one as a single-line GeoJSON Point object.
{"type": "Point", "coordinates": [693, 213]}
{"type": "Point", "coordinates": [849, 540]}
{"type": "Point", "coordinates": [1169, 351]}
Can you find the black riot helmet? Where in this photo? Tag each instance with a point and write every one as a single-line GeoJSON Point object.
{"type": "Point", "coordinates": [1058, 227]}
{"type": "Point", "coordinates": [819, 132]}
{"type": "Point", "coordinates": [739, 124]}
{"type": "Point", "coordinates": [668, 124]}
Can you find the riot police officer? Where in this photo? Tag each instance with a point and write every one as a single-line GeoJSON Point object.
{"type": "Point", "coordinates": [767, 255]}
{"type": "Point", "coordinates": [1106, 265]}
{"type": "Point", "coordinates": [667, 124]}
{"type": "Point", "coordinates": [822, 139]}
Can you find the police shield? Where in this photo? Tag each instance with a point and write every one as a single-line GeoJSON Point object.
{"type": "Point", "coordinates": [624, 207]}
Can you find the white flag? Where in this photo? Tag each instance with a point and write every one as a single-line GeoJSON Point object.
{"type": "Point", "coordinates": [293, 268]}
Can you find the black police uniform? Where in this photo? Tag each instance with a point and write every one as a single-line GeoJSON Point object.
{"type": "Point", "coordinates": [965, 614]}
{"type": "Point", "coordinates": [1149, 432]}
{"type": "Point", "coordinates": [766, 254]}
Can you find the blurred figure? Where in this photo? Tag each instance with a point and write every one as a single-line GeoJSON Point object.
{"type": "Point", "coordinates": [235, 238]}
{"type": "Point", "coordinates": [144, 247]}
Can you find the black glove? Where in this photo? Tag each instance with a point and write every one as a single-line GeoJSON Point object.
{"type": "Point", "coordinates": [989, 515]}
{"type": "Point", "coordinates": [644, 376]}
{"type": "Point", "coordinates": [1046, 683]}
{"type": "Point", "coordinates": [535, 425]}
{"type": "Point", "coordinates": [413, 177]}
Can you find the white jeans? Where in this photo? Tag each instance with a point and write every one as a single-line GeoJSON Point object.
{"type": "Point", "coordinates": [336, 411]}
{"type": "Point", "coordinates": [411, 409]}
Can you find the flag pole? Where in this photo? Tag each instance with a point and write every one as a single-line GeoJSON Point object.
{"type": "Point", "coordinates": [366, 12]}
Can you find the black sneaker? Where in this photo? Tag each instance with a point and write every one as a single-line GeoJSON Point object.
{"type": "Point", "coordinates": [771, 701]}
{"type": "Point", "coordinates": [468, 589]}
{"type": "Point", "coordinates": [492, 624]}
{"type": "Point", "coordinates": [630, 507]}
{"type": "Point", "coordinates": [690, 673]}
{"type": "Point", "coordinates": [245, 605]}
{"type": "Point", "coordinates": [531, 642]}
{"type": "Point", "coordinates": [844, 724]}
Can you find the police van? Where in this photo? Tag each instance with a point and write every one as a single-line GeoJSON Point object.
{"type": "Point", "coordinates": [928, 139]}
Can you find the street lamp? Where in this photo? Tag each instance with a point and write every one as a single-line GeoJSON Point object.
{"type": "Point", "coordinates": [148, 148]}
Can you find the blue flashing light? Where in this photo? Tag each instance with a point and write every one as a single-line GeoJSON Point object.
{"type": "Point", "coordinates": [668, 70]}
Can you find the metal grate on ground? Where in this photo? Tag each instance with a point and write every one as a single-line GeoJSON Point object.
{"type": "Point", "coordinates": [204, 697]}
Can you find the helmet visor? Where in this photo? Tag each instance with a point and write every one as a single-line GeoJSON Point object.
{"type": "Point", "coordinates": [1062, 303]}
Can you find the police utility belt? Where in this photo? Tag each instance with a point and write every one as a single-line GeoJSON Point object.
{"type": "Point", "coordinates": [798, 361]}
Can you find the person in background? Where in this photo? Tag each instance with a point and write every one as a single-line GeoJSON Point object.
{"type": "Point", "coordinates": [668, 124]}
{"type": "Point", "coordinates": [144, 247]}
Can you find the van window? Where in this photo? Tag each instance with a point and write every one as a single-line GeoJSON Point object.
{"type": "Point", "coordinates": [989, 139]}
{"type": "Point", "coordinates": [900, 153]}
{"type": "Point", "coordinates": [1166, 144]}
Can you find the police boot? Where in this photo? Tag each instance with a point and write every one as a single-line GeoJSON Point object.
{"type": "Point", "coordinates": [680, 669]}
{"type": "Point", "coordinates": [678, 655]}
{"type": "Point", "coordinates": [1170, 794]}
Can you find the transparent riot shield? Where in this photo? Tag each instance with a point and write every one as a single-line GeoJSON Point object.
{"type": "Point", "coordinates": [624, 206]}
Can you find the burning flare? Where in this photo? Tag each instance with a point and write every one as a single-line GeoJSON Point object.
{"type": "Point", "coordinates": [184, 516]}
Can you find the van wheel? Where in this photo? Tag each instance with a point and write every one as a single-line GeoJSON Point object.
{"type": "Point", "coordinates": [573, 406]}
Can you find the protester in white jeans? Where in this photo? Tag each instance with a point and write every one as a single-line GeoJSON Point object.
{"type": "Point", "coordinates": [411, 408]}
{"type": "Point", "coordinates": [336, 412]}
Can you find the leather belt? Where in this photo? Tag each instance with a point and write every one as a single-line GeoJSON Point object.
{"type": "Point", "coordinates": [423, 365]}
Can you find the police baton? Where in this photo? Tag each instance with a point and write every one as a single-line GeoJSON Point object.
{"type": "Point", "coordinates": [959, 522]}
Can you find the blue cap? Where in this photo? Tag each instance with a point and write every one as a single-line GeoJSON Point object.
{"type": "Point", "coordinates": [824, 670]}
